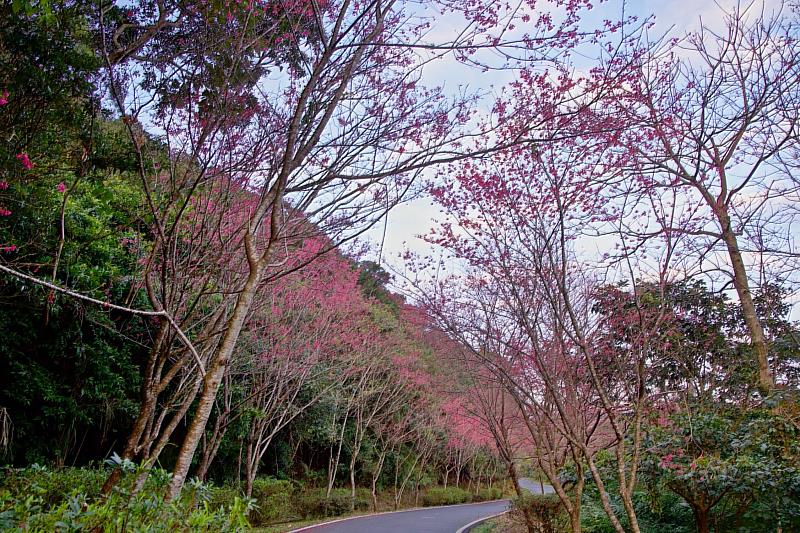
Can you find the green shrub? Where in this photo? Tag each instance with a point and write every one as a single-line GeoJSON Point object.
{"type": "Point", "coordinates": [445, 496]}
{"type": "Point", "coordinates": [52, 486]}
{"type": "Point", "coordinates": [314, 504]}
{"type": "Point", "coordinates": [223, 497]}
{"type": "Point", "coordinates": [488, 494]}
{"type": "Point", "coordinates": [274, 500]}
{"type": "Point", "coordinates": [38, 499]}
{"type": "Point", "coordinates": [363, 499]}
{"type": "Point", "coordinates": [545, 509]}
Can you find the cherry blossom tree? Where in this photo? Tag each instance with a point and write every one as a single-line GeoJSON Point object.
{"type": "Point", "coordinates": [521, 299]}
{"type": "Point", "coordinates": [254, 126]}
{"type": "Point", "coordinates": [711, 144]}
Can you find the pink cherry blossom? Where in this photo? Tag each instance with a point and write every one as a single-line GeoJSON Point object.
{"type": "Point", "coordinates": [61, 187]}
{"type": "Point", "coordinates": [23, 158]}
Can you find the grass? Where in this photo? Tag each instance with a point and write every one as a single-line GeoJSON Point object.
{"type": "Point", "coordinates": [500, 524]}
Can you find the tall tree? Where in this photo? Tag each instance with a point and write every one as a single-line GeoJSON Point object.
{"type": "Point", "coordinates": [714, 130]}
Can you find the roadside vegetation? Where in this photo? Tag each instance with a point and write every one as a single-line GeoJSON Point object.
{"type": "Point", "coordinates": [194, 335]}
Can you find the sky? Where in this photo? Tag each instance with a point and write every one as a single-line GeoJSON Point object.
{"type": "Point", "coordinates": [407, 222]}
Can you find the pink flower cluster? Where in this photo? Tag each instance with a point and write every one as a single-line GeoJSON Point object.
{"type": "Point", "coordinates": [4, 97]}
{"type": "Point", "coordinates": [23, 158]}
{"type": "Point", "coordinates": [668, 463]}
{"type": "Point", "coordinates": [4, 212]}
{"type": "Point", "coordinates": [9, 248]}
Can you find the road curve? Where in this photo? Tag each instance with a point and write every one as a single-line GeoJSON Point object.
{"type": "Point", "coordinates": [535, 487]}
{"type": "Point", "coordinates": [447, 519]}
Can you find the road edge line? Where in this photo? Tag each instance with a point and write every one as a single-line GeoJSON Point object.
{"type": "Point", "coordinates": [466, 528]}
{"type": "Point", "coordinates": [312, 526]}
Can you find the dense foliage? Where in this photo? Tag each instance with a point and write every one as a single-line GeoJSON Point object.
{"type": "Point", "coordinates": [189, 339]}
{"type": "Point", "coordinates": [332, 380]}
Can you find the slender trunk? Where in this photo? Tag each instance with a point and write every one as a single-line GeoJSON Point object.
{"type": "Point", "coordinates": [333, 463]}
{"type": "Point", "coordinates": [239, 465]}
{"type": "Point", "coordinates": [460, 465]}
{"type": "Point", "coordinates": [353, 460]}
{"type": "Point", "coordinates": [146, 411]}
{"type": "Point", "coordinates": [530, 524]}
{"type": "Point", "coordinates": [352, 489]}
{"type": "Point", "coordinates": [398, 491]}
{"type": "Point", "coordinates": [250, 467]}
{"type": "Point", "coordinates": [249, 479]}
{"type": "Point", "coordinates": [207, 457]}
{"type": "Point", "coordinates": [601, 489]}
{"type": "Point", "coordinates": [213, 378]}
{"type": "Point", "coordinates": [766, 381]}
{"type": "Point", "coordinates": [376, 474]}
{"type": "Point", "coordinates": [396, 488]}
{"type": "Point", "coordinates": [211, 443]}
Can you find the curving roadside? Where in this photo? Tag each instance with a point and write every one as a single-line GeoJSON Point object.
{"type": "Point", "coordinates": [536, 487]}
{"type": "Point", "coordinates": [446, 519]}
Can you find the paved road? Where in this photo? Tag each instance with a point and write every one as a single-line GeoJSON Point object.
{"type": "Point", "coordinates": [536, 487]}
{"type": "Point", "coordinates": [448, 519]}
{"type": "Point", "coordinates": [430, 520]}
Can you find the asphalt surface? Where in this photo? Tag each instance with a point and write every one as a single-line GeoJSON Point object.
{"type": "Point", "coordinates": [448, 519]}
{"type": "Point", "coordinates": [536, 487]}
{"type": "Point", "coordinates": [429, 520]}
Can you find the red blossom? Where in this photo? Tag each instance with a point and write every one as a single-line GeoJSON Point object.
{"type": "Point", "coordinates": [23, 158]}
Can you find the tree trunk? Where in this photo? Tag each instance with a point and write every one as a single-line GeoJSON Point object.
{"type": "Point", "coordinates": [701, 519]}
{"type": "Point", "coordinates": [250, 467]}
{"type": "Point", "coordinates": [209, 452]}
{"type": "Point", "coordinates": [213, 378]}
{"type": "Point", "coordinates": [526, 512]}
{"type": "Point", "coordinates": [376, 474]}
{"type": "Point", "coordinates": [333, 464]}
{"type": "Point", "coordinates": [766, 381]}
{"type": "Point", "coordinates": [575, 521]}
{"type": "Point", "coordinates": [352, 489]}
{"type": "Point", "coordinates": [601, 489]}
{"type": "Point", "coordinates": [146, 410]}
{"type": "Point", "coordinates": [210, 449]}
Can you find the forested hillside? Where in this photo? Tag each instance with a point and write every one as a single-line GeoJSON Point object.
{"type": "Point", "coordinates": [196, 333]}
{"type": "Point", "coordinates": [121, 254]}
